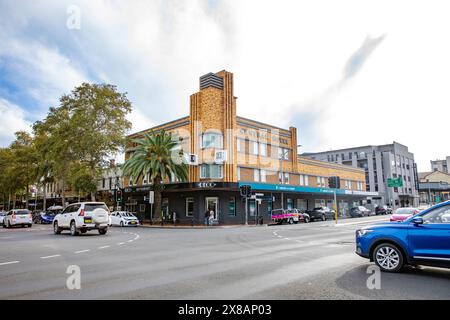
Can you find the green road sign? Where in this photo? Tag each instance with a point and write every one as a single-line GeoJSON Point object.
{"type": "Point", "coordinates": [395, 182]}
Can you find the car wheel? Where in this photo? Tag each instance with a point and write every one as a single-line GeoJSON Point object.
{"type": "Point", "coordinates": [103, 231]}
{"type": "Point", "coordinates": [30, 225]}
{"type": "Point", "coordinates": [388, 257]}
{"type": "Point", "coordinates": [73, 229]}
{"type": "Point", "coordinates": [56, 229]}
{"type": "Point", "coordinates": [324, 218]}
{"type": "Point", "coordinates": [306, 219]}
{"type": "Point", "coordinates": [121, 223]}
{"type": "Point", "coordinates": [291, 221]}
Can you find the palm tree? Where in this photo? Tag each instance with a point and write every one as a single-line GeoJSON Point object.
{"type": "Point", "coordinates": [155, 155]}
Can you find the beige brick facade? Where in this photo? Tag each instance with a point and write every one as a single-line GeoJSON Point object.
{"type": "Point", "coordinates": [250, 145]}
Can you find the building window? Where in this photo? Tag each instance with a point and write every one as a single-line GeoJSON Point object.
{"type": "Point", "coordinates": [263, 149]}
{"type": "Point", "coordinates": [256, 175]}
{"type": "Point", "coordinates": [239, 141]}
{"type": "Point", "coordinates": [254, 147]}
{"type": "Point", "coordinates": [286, 178]}
{"type": "Point", "coordinates": [239, 173]}
{"type": "Point", "coordinates": [189, 207]}
{"type": "Point", "coordinates": [283, 153]}
{"type": "Point", "coordinates": [252, 207]}
{"type": "Point", "coordinates": [263, 175]}
{"type": "Point", "coordinates": [212, 140]}
{"type": "Point", "coordinates": [142, 208]}
{"type": "Point", "coordinates": [211, 171]}
{"type": "Point", "coordinates": [232, 206]}
{"type": "Point", "coordinates": [321, 182]}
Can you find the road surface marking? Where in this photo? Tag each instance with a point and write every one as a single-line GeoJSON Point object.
{"type": "Point", "coordinates": [104, 247]}
{"type": "Point", "coordinates": [81, 251]}
{"type": "Point", "coordinates": [360, 222]}
{"type": "Point", "coordinates": [9, 262]}
{"type": "Point", "coordinates": [130, 240]}
{"type": "Point", "coordinates": [53, 256]}
{"type": "Point", "coordinates": [120, 243]}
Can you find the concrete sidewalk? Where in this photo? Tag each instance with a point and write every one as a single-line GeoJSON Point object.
{"type": "Point", "coordinates": [168, 226]}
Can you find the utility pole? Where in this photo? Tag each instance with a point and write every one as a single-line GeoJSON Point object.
{"type": "Point", "coordinates": [335, 207]}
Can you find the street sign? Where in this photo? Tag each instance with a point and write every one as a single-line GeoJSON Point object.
{"type": "Point", "coordinates": [395, 182]}
{"type": "Point", "coordinates": [151, 197]}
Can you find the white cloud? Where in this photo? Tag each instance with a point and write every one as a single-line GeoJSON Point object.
{"type": "Point", "coordinates": [12, 120]}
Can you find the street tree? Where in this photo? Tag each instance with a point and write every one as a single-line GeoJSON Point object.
{"type": "Point", "coordinates": [156, 155]}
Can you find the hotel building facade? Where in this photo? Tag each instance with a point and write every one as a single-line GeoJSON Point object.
{"type": "Point", "coordinates": [230, 151]}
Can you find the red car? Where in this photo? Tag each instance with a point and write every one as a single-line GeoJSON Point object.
{"type": "Point", "coordinates": [401, 214]}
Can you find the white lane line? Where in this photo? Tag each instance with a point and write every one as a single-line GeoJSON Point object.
{"type": "Point", "coordinates": [360, 222]}
{"type": "Point", "coordinates": [53, 256]}
{"type": "Point", "coordinates": [81, 251]}
{"type": "Point", "coordinates": [104, 247]}
{"type": "Point", "coordinates": [130, 240]}
{"type": "Point", "coordinates": [279, 236]}
{"type": "Point", "coordinates": [9, 262]}
{"type": "Point", "coordinates": [287, 239]}
{"type": "Point", "coordinates": [120, 243]}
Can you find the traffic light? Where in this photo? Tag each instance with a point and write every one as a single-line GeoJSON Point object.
{"type": "Point", "coordinates": [119, 196]}
{"type": "Point", "coordinates": [334, 182]}
{"type": "Point", "coordinates": [246, 190]}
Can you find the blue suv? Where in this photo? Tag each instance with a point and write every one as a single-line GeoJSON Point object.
{"type": "Point", "coordinates": [423, 239]}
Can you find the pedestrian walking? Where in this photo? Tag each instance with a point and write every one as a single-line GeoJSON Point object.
{"type": "Point", "coordinates": [211, 217]}
{"type": "Point", "coordinates": [207, 217]}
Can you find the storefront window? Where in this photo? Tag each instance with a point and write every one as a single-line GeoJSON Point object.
{"type": "Point", "coordinates": [189, 207]}
{"type": "Point", "coordinates": [165, 207]}
{"type": "Point", "coordinates": [232, 206]}
{"type": "Point", "coordinates": [290, 203]}
{"type": "Point", "coordinates": [319, 203]}
{"type": "Point", "coordinates": [269, 207]}
{"type": "Point", "coordinates": [302, 204]}
{"type": "Point", "coordinates": [252, 207]}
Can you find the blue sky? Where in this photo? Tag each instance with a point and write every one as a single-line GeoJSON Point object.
{"type": "Point", "coordinates": [345, 73]}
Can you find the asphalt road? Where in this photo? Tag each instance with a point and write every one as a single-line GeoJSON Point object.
{"type": "Point", "coordinates": [304, 261]}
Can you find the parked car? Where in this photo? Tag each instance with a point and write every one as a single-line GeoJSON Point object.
{"type": "Point", "coordinates": [124, 219]}
{"type": "Point", "coordinates": [321, 213]}
{"type": "Point", "coordinates": [82, 217]}
{"type": "Point", "coordinates": [359, 211]}
{"type": "Point", "coordinates": [401, 214]}
{"type": "Point", "coordinates": [18, 217]}
{"type": "Point", "coordinates": [381, 210]}
{"type": "Point", "coordinates": [422, 239]}
{"type": "Point", "coordinates": [2, 216]}
{"type": "Point", "coordinates": [45, 217]}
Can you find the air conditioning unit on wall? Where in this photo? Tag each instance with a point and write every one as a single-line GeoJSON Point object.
{"type": "Point", "coordinates": [220, 156]}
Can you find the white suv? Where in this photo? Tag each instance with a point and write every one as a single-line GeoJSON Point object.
{"type": "Point", "coordinates": [82, 217]}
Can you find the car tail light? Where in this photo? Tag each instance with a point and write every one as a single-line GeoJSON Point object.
{"type": "Point", "coordinates": [81, 213]}
{"type": "Point", "coordinates": [13, 216]}
{"type": "Point", "coordinates": [30, 216]}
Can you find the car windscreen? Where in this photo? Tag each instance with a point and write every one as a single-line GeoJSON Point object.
{"type": "Point", "coordinates": [405, 211]}
{"type": "Point", "coordinates": [92, 206]}
{"type": "Point", "coordinates": [318, 208]}
{"type": "Point", "coordinates": [22, 212]}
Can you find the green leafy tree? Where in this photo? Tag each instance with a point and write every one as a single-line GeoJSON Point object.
{"type": "Point", "coordinates": [86, 129]}
{"type": "Point", "coordinates": [98, 125]}
{"type": "Point", "coordinates": [23, 166]}
{"type": "Point", "coordinates": [156, 155]}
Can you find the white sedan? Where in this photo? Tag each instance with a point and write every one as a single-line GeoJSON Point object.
{"type": "Point", "coordinates": [18, 217]}
{"type": "Point", "coordinates": [2, 216]}
{"type": "Point", "coordinates": [124, 219]}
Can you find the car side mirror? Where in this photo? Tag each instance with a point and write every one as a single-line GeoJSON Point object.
{"type": "Point", "coordinates": [417, 220]}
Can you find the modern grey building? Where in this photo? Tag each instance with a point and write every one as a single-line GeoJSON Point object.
{"type": "Point", "coordinates": [380, 163]}
{"type": "Point", "coordinates": [441, 165]}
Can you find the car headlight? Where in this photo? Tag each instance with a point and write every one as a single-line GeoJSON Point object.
{"type": "Point", "coordinates": [363, 232]}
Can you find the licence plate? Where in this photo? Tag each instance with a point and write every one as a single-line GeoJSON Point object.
{"type": "Point", "coordinates": [133, 222]}
{"type": "Point", "coordinates": [88, 220]}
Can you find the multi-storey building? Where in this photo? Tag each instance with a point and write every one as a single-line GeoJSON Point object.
{"type": "Point", "coordinates": [233, 151]}
{"type": "Point", "coordinates": [380, 163]}
{"type": "Point", "coordinates": [434, 187]}
{"type": "Point", "coordinates": [441, 165]}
